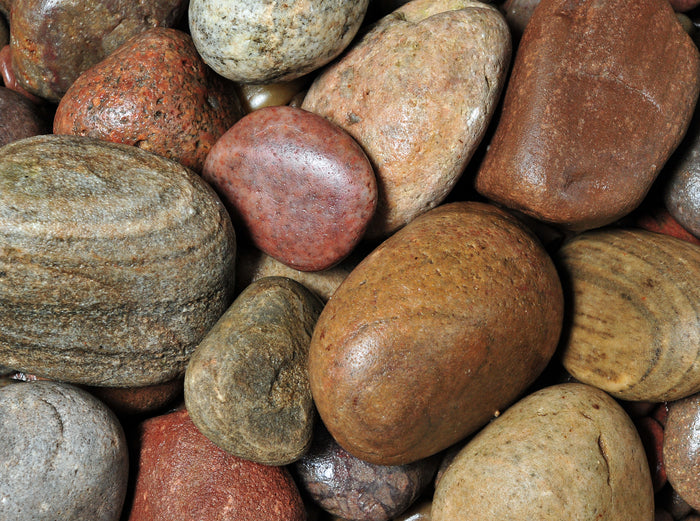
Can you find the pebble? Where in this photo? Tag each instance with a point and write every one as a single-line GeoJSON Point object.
{"type": "Point", "coordinates": [254, 97]}
{"type": "Point", "coordinates": [9, 78]}
{"type": "Point", "coordinates": [246, 385]}
{"type": "Point", "coordinates": [182, 475]}
{"type": "Point", "coordinates": [262, 42]}
{"type": "Point", "coordinates": [417, 91]}
{"type": "Point", "coordinates": [19, 118]}
{"type": "Point", "coordinates": [50, 50]}
{"type": "Point", "coordinates": [652, 435]}
{"type": "Point", "coordinates": [681, 449]}
{"type": "Point", "coordinates": [153, 92]}
{"type": "Point", "coordinates": [659, 220]}
{"type": "Point", "coordinates": [634, 329]}
{"type": "Point", "coordinates": [592, 112]}
{"type": "Point", "coordinates": [136, 401]}
{"type": "Point", "coordinates": [351, 488]}
{"type": "Point", "coordinates": [402, 361]}
{"type": "Point", "coordinates": [299, 186]}
{"type": "Point", "coordinates": [114, 262]}
{"type": "Point", "coordinates": [63, 455]}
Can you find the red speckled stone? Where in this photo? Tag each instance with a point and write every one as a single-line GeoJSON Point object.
{"type": "Point", "coordinates": [154, 92]}
{"type": "Point", "coordinates": [302, 187]}
{"type": "Point", "coordinates": [182, 476]}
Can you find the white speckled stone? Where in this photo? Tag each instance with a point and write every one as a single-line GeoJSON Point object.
{"type": "Point", "coordinates": [263, 41]}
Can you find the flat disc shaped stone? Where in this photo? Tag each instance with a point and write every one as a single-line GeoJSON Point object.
{"type": "Point", "coordinates": [300, 186]}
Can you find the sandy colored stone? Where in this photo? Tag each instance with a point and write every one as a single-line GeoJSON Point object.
{"type": "Point", "coordinates": [633, 328]}
{"type": "Point", "coordinates": [600, 95]}
{"type": "Point", "coordinates": [255, 41]}
{"type": "Point", "coordinates": [63, 455]}
{"type": "Point", "coordinates": [417, 92]}
{"type": "Point", "coordinates": [565, 452]}
{"type": "Point", "coordinates": [247, 385]}
{"type": "Point", "coordinates": [440, 327]}
{"type": "Point", "coordinates": [114, 262]}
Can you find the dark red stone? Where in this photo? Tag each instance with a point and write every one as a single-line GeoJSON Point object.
{"type": "Point", "coordinates": [659, 220]}
{"type": "Point", "coordinates": [156, 93]}
{"type": "Point", "coordinates": [9, 78]}
{"type": "Point", "coordinates": [652, 434]}
{"type": "Point", "coordinates": [19, 118]}
{"type": "Point", "coordinates": [301, 187]}
{"type": "Point", "coordinates": [684, 5]}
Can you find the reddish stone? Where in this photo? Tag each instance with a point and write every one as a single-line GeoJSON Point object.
{"type": "Point", "coordinates": [684, 5]}
{"type": "Point", "coordinates": [182, 476]}
{"type": "Point", "coordinates": [652, 434]}
{"type": "Point", "coordinates": [156, 93]}
{"type": "Point", "coordinates": [138, 400]}
{"type": "Point", "coordinates": [660, 221]}
{"type": "Point", "coordinates": [19, 117]}
{"type": "Point", "coordinates": [9, 78]}
{"type": "Point", "coordinates": [301, 186]}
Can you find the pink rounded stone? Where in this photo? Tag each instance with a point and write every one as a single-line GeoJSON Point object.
{"type": "Point", "coordinates": [301, 187]}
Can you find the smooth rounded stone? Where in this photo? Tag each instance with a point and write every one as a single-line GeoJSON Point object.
{"type": "Point", "coordinates": [63, 455]}
{"type": "Point", "coordinates": [659, 220]}
{"type": "Point", "coordinates": [434, 332]}
{"type": "Point", "coordinates": [258, 96]}
{"type": "Point", "coordinates": [247, 386]}
{"type": "Point", "coordinates": [418, 512]}
{"type": "Point", "coordinates": [252, 264]}
{"type": "Point", "coordinates": [682, 185]}
{"type": "Point", "coordinates": [114, 262]}
{"type": "Point", "coordinates": [351, 488]}
{"type": "Point", "coordinates": [417, 91]}
{"type": "Point", "coordinates": [301, 187]}
{"type": "Point", "coordinates": [652, 435]}
{"type": "Point", "coordinates": [153, 92]}
{"type": "Point", "coordinates": [634, 324]}
{"type": "Point", "coordinates": [592, 111]}
{"type": "Point", "coordinates": [518, 14]}
{"type": "Point", "coordinates": [8, 76]}
{"type": "Point", "coordinates": [133, 401]}
{"type": "Point", "coordinates": [681, 449]}
{"type": "Point", "coordinates": [19, 118]}
{"type": "Point", "coordinates": [256, 41]}
{"type": "Point", "coordinates": [182, 476]}
{"type": "Point", "coordinates": [50, 50]}
{"type": "Point", "coordinates": [567, 451]}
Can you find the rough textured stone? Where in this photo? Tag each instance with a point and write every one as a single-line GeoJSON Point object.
{"type": "Point", "coordinates": [50, 50]}
{"type": "Point", "coordinates": [301, 187]}
{"type": "Point", "coordinates": [114, 262]}
{"type": "Point", "coordinates": [633, 328]}
{"type": "Point", "coordinates": [19, 118]}
{"type": "Point", "coordinates": [153, 92]}
{"type": "Point", "coordinates": [417, 92]}
{"type": "Point", "coordinates": [410, 352]}
{"type": "Point", "coordinates": [681, 449]}
{"type": "Point", "coordinates": [182, 476]}
{"type": "Point", "coordinates": [247, 386]}
{"type": "Point", "coordinates": [255, 41]}
{"type": "Point", "coordinates": [354, 489]}
{"type": "Point", "coordinates": [63, 455]}
{"type": "Point", "coordinates": [565, 452]}
{"type": "Point", "coordinates": [600, 95]}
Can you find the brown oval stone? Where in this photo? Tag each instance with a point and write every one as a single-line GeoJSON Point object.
{"type": "Point", "coordinates": [600, 95]}
{"type": "Point", "coordinates": [153, 92]}
{"type": "Point", "coordinates": [19, 118]}
{"type": "Point", "coordinates": [301, 187]}
{"type": "Point", "coordinates": [681, 449]}
{"type": "Point", "coordinates": [410, 352]}
{"type": "Point", "coordinates": [50, 50]}
{"type": "Point", "coordinates": [634, 323]}
{"type": "Point", "coordinates": [132, 401]}
{"type": "Point", "coordinates": [182, 475]}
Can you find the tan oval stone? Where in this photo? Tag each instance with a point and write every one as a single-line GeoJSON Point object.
{"type": "Point", "coordinates": [443, 324]}
{"type": "Point", "coordinates": [114, 262]}
{"type": "Point", "coordinates": [417, 92]}
{"type": "Point", "coordinates": [634, 323]}
{"type": "Point", "coordinates": [565, 452]}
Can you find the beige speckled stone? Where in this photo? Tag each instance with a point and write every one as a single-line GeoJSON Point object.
{"type": "Point", "coordinates": [417, 92]}
{"type": "Point", "coordinates": [257, 41]}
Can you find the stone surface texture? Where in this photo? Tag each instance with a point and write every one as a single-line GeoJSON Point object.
{"type": "Point", "coordinates": [256, 41]}
{"type": "Point", "coordinates": [681, 449]}
{"type": "Point", "coordinates": [9, 78]}
{"type": "Point", "coordinates": [182, 476]}
{"type": "Point", "coordinates": [417, 92]}
{"type": "Point", "coordinates": [600, 95]}
{"type": "Point", "coordinates": [247, 385]}
{"type": "Point", "coordinates": [440, 327]}
{"type": "Point", "coordinates": [19, 118]}
{"type": "Point", "coordinates": [153, 92]}
{"type": "Point", "coordinates": [63, 455]}
{"type": "Point", "coordinates": [633, 327]}
{"type": "Point", "coordinates": [300, 186]}
{"type": "Point", "coordinates": [114, 262]}
{"type": "Point", "coordinates": [565, 452]}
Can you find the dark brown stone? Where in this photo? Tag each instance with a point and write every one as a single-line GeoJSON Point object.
{"type": "Point", "coordinates": [50, 50]}
{"type": "Point", "coordinates": [182, 476]}
{"type": "Point", "coordinates": [410, 352]}
{"type": "Point", "coordinates": [19, 118]}
{"type": "Point", "coordinates": [153, 92]}
{"type": "Point", "coordinates": [681, 449]}
{"type": "Point", "coordinates": [131, 401]}
{"type": "Point", "coordinates": [600, 95]}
